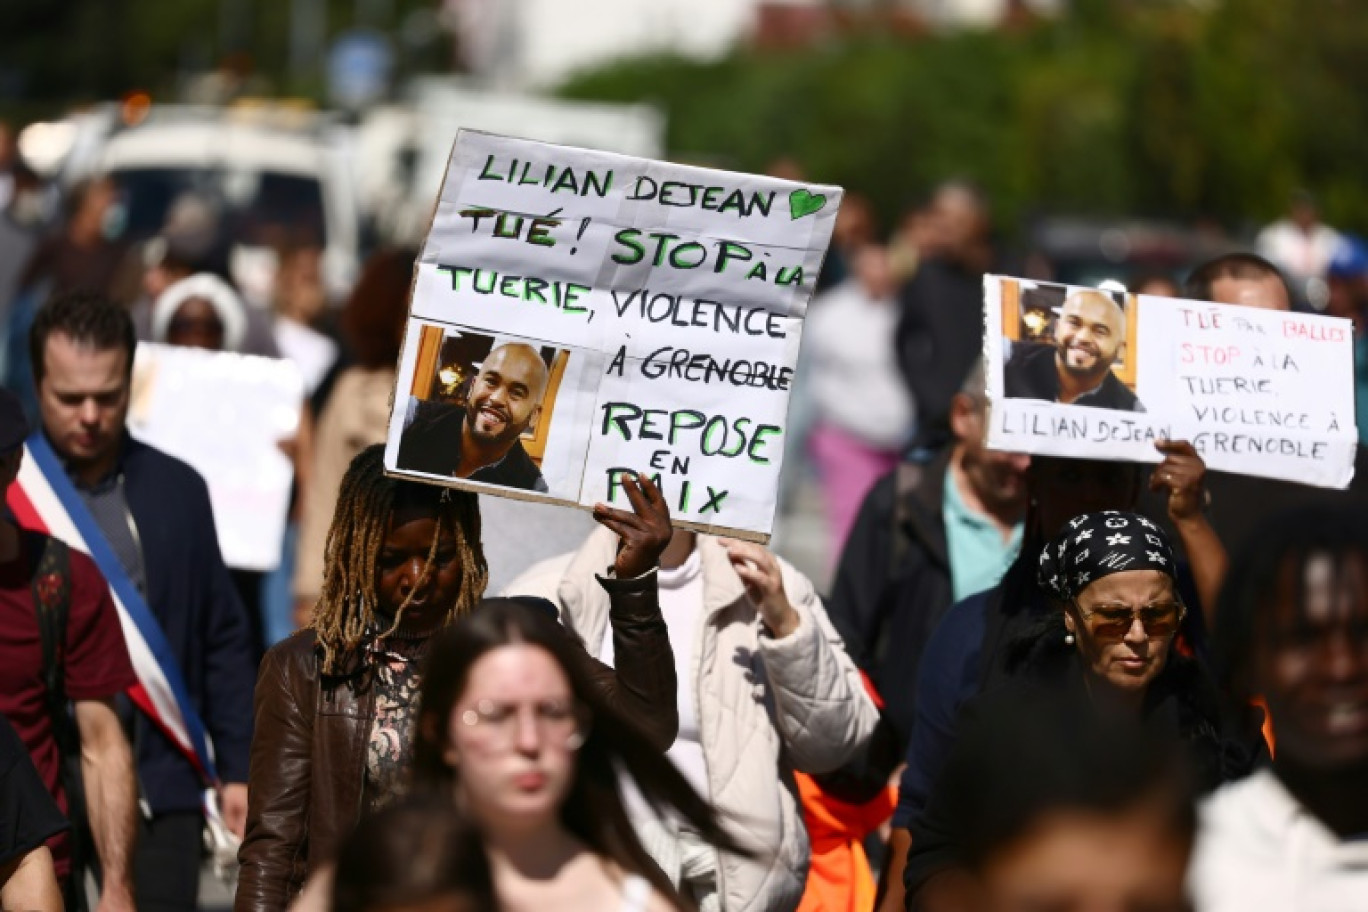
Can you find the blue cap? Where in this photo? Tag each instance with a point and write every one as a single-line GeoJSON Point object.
{"type": "Point", "coordinates": [1350, 260]}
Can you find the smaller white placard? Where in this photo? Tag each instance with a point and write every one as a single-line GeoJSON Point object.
{"type": "Point", "coordinates": [226, 415]}
{"type": "Point", "coordinates": [1079, 372]}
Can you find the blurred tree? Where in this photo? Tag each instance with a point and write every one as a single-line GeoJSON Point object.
{"type": "Point", "coordinates": [1165, 107]}
{"type": "Point", "coordinates": [56, 53]}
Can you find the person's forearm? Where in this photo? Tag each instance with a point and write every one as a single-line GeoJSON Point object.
{"type": "Point", "coordinates": [1208, 560]}
{"type": "Point", "coordinates": [645, 682]}
{"type": "Point", "coordinates": [892, 893]}
{"type": "Point", "coordinates": [30, 883]}
{"type": "Point", "coordinates": [112, 806]}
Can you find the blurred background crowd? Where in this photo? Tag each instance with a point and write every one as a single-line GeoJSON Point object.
{"type": "Point", "coordinates": [280, 145]}
{"type": "Point", "coordinates": [283, 159]}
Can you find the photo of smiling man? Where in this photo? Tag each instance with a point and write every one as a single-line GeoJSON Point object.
{"type": "Point", "coordinates": [1075, 368]}
{"type": "Point", "coordinates": [475, 432]}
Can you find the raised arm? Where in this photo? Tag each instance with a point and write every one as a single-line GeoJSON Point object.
{"type": "Point", "coordinates": [644, 684]}
{"type": "Point", "coordinates": [822, 709]}
{"type": "Point", "coordinates": [1183, 475]}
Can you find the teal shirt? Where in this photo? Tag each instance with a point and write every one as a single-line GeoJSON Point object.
{"type": "Point", "coordinates": [978, 554]}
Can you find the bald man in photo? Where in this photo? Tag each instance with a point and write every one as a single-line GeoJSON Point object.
{"type": "Point", "coordinates": [480, 441]}
{"type": "Point", "coordinates": [1076, 368]}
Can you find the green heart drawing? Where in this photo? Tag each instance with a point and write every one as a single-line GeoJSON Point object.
{"type": "Point", "coordinates": [802, 203]}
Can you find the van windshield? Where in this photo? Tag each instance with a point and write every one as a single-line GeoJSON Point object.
{"type": "Point", "coordinates": [254, 207]}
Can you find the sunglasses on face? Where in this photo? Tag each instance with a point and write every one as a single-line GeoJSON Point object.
{"type": "Point", "coordinates": [1114, 621]}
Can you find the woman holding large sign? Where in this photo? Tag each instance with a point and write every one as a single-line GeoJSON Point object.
{"type": "Point", "coordinates": [336, 702]}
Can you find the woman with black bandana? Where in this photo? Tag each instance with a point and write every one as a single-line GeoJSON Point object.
{"type": "Point", "coordinates": [1108, 649]}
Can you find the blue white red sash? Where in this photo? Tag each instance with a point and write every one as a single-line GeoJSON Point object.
{"type": "Point", "coordinates": [44, 499]}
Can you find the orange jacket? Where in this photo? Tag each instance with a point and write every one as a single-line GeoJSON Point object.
{"type": "Point", "coordinates": [839, 877]}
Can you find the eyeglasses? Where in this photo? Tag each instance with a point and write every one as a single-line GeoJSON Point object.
{"type": "Point", "coordinates": [559, 722]}
{"type": "Point", "coordinates": [1160, 619]}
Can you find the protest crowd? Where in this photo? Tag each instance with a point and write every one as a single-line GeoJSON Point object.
{"type": "Point", "coordinates": [1003, 681]}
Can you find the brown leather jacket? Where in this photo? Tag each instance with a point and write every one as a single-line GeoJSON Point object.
{"type": "Point", "coordinates": [309, 747]}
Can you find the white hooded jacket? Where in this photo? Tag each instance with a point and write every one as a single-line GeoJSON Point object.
{"type": "Point", "coordinates": [766, 707]}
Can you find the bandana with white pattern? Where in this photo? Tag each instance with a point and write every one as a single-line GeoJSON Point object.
{"type": "Point", "coordinates": [1095, 545]}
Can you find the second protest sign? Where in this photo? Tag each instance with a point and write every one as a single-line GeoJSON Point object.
{"type": "Point", "coordinates": [1091, 373]}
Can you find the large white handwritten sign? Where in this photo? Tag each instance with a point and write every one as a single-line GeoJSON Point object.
{"type": "Point", "coordinates": [1087, 373]}
{"type": "Point", "coordinates": [579, 315]}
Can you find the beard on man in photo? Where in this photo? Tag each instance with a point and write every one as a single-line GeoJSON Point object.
{"type": "Point", "coordinates": [1075, 367]}
{"type": "Point", "coordinates": [480, 441]}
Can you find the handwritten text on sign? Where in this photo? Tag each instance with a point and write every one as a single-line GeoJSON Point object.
{"type": "Point", "coordinates": [684, 287]}
{"type": "Point", "coordinates": [1257, 392]}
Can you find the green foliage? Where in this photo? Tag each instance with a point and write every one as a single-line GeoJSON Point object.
{"type": "Point", "coordinates": [59, 53]}
{"type": "Point", "coordinates": [1167, 107]}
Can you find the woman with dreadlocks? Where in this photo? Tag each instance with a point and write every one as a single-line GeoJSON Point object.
{"type": "Point", "coordinates": [335, 703]}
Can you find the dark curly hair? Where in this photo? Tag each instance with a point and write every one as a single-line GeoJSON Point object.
{"type": "Point", "coordinates": [1280, 551]}
{"type": "Point", "coordinates": [346, 609]}
{"type": "Point", "coordinates": [87, 318]}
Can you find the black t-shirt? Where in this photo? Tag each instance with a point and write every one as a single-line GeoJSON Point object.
{"type": "Point", "coordinates": [28, 815]}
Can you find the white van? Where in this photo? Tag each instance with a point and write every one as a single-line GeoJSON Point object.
{"type": "Point", "coordinates": [270, 182]}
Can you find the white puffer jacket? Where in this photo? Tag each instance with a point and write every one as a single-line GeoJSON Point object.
{"type": "Point", "coordinates": [766, 707]}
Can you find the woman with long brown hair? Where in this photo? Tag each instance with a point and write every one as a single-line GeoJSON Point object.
{"type": "Point", "coordinates": [521, 740]}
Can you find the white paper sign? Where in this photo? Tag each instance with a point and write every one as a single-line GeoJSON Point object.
{"type": "Point", "coordinates": [1093, 374]}
{"type": "Point", "coordinates": [225, 415]}
{"type": "Point", "coordinates": [577, 315]}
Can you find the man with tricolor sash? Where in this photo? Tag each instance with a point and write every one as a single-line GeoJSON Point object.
{"type": "Point", "coordinates": [146, 520]}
